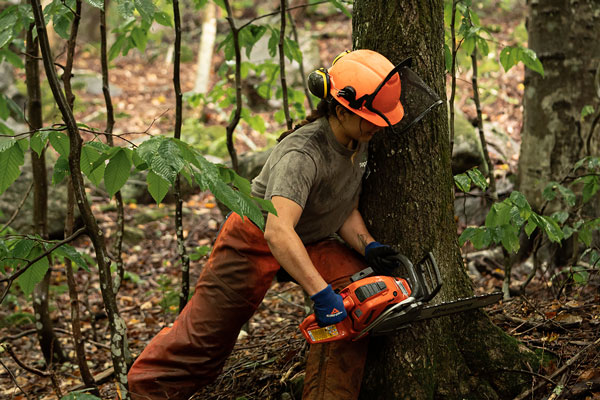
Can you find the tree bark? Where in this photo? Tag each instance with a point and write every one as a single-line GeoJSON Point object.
{"type": "Point", "coordinates": [50, 346]}
{"type": "Point", "coordinates": [407, 202]}
{"type": "Point", "coordinates": [564, 34]}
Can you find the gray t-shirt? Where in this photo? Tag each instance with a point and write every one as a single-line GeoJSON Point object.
{"type": "Point", "coordinates": [311, 168]}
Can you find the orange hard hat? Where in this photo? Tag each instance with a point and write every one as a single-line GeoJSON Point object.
{"type": "Point", "coordinates": [368, 84]}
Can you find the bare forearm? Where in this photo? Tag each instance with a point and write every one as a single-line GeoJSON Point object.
{"type": "Point", "coordinates": [355, 233]}
{"type": "Point", "coordinates": [291, 254]}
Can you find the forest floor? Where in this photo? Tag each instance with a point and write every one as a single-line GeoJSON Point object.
{"type": "Point", "coordinates": [557, 318]}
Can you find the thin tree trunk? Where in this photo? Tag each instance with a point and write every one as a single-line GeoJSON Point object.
{"type": "Point", "coordinates": [284, 90]}
{"type": "Point", "coordinates": [407, 202]}
{"type": "Point", "coordinates": [110, 123]}
{"type": "Point", "coordinates": [118, 330]}
{"type": "Point", "coordinates": [50, 346]}
{"type": "Point", "coordinates": [185, 259]}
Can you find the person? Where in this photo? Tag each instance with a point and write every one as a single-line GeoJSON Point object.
{"type": "Point", "coordinates": [313, 178]}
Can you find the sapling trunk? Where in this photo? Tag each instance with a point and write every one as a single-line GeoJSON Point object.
{"type": "Point", "coordinates": [118, 330]}
{"type": "Point", "coordinates": [50, 346]}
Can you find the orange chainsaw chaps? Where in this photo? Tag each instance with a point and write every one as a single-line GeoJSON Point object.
{"type": "Point", "coordinates": [191, 354]}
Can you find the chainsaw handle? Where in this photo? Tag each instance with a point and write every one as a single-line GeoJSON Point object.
{"type": "Point", "coordinates": [312, 319]}
{"type": "Point", "coordinates": [427, 268]}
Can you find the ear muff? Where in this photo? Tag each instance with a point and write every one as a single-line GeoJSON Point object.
{"type": "Point", "coordinates": [319, 83]}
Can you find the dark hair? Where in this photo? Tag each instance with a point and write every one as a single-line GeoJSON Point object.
{"type": "Point", "coordinates": [325, 108]}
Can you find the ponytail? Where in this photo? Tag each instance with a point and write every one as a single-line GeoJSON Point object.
{"type": "Point", "coordinates": [325, 108]}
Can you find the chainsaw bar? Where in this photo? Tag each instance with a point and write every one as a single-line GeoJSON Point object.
{"type": "Point", "coordinates": [401, 315]}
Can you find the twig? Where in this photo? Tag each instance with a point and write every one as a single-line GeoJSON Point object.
{"type": "Point", "coordinates": [15, 275]}
{"type": "Point", "coordinates": [19, 207]}
{"type": "Point", "coordinates": [35, 371]}
{"type": "Point", "coordinates": [522, 371]}
{"type": "Point", "coordinates": [181, 250]}
{"type": "Point", "coordinates": [453, 73]}
{"type": "Point", "coordinates": [278, 12]}
{"type": "Point", "coordinates": [238, 87]}
{"type": "Point", "coordinates": [559, 371]}
{"type": "Point", "coordinates": [284, 89]}
{"type": "Point", "coordinates": [12, 377]}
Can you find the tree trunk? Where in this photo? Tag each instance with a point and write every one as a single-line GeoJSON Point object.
{"type": "Point", "coordinates": [407, 202]}
{"type": "Point", "coordinates": [50, 346]}
{"type": "Point", "coordinates": [564, 34]}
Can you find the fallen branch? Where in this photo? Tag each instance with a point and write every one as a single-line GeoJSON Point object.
{"type": "Point", "coordinates": [43, 374]}
{"type": "Point", "coordinates": [12, 377]}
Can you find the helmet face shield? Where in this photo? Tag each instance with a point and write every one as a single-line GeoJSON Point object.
{"type": "Point", "coordinates": [416, 98]}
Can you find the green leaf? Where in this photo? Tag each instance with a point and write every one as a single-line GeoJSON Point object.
{"type": "Point", "coordinates": [467, 235]}
{"type": "Point", "coordinates": [482, 238]}
{"type": "Point", "coordinates": [80, 395]}
{"type": "Point", "coordinates": [117, 172]}
{"type": "Point", "coordinates": [567, 195]}
{"type": "Point", "coordinates": [157, 186]}
{"type": "Point", "coordinates": [115, 49]}
{"type": "Point", "coordinates": [549, 226]}
{"type": "Point", "coordinates": [590, 188]}
{"type": "Point", "coordinates": [499, 214]}
{"type": "Point", "coordinates": [477, 178]}
{"type": "Point", "coordinates": [508, 57]}
{"type": "Point", "coordinates": [531, 61]}
{"type": "Point", "coordinates": [60, 142]}
{"type": "Point", "coordinates": [341, 7]}
{"type": "Point", "coordinates": [61, 170]}
{"type": "Point", "coordinates": [463, 182]}
{"type": "Point", "coordinates": [125, 8]}
{"type": "Point", "coordinates": [529, 228]}
{"type": "Point", "coordinates": [469, 45]}
{"type": "Point", "coordinates": [448, 57]}
{"type": "Point", "coordinates": [5, 37]}
{"type": "Point", "coordinates": [72, 254]}
{"type": "Point", "coordinates": [265, 205]}
{"type": "Point", "coordinates": [140, 38]}
{"type": "Point", "coordinates": [96, 3]}
{"type": "Point", "coordinates": [509, 237]}
{"type": "Point", "coordinates": [12, 58]}
{"type": "Point", "coordinates": [38, 141]}
{"type": "Point", "coordinates": [163, 18]}
{"type": "Point", "coordinates": [89, 155]}
{"type": "Point", "coordinates": [62, 25]}
{"type": "Point", "coordinates": [560, 216]}
{"type": "Point", "coordinates": [11, 159]}
{"type": "Point", "coordinates": [168, 161]}
{"type": "Point", "coordinates": [273, 42]}
{"type": "Point", "coordinates": [35, 273]}
{"type": "Point", "coordinates": [146, 9]}
{"type": "Point", "coordinates": [549, 193]}
{"type": "Point", "coordinates": [586, 110]}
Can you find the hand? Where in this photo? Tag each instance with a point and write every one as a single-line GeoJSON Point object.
{"type": "Point", "coordinates": [329, 307]}
{"type": "Point", "coordinates": [382, 258]}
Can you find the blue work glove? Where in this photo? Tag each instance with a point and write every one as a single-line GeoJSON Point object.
{"type": "Point", "coordinates": [382, 258]}
{"type": "Point", "coordinates": [329, 307]}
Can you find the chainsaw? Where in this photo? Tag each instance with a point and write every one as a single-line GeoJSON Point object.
{"type": "Point", "coordinates": [380, 305]}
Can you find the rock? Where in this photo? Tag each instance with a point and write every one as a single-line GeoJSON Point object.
{"type": "Point", "coordinates": [91, 82]}
{"type": "Point", "coordinates": [145, 215]}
